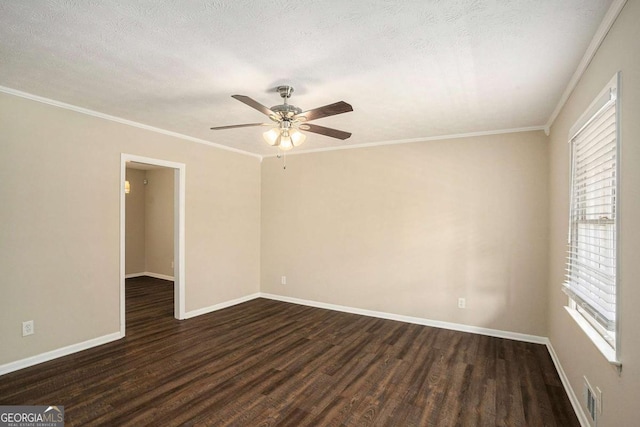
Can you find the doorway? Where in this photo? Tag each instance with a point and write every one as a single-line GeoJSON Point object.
{"type": "Point", "coordinates": [178, 230]}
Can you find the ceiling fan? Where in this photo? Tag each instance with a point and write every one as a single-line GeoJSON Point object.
{"type": "Point", "coordinates": [290, 120]}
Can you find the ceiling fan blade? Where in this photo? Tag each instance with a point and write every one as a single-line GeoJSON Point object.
{"type": "Point", "coordinates": [240, 126]}
{"type": "Point", "coordinates": [254, 104]}
{"type": "Point", "coordinates": [333, 133]}
{"type": "Point", "coordinates": [326, 111]}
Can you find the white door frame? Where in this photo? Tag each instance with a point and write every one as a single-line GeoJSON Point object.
{"type": "Point", "coordinates": [178, 229]}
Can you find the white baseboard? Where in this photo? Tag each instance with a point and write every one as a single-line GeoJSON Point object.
{"type": "Point", "coordinates": [54, 354]}
{"type": "Point", "coordinates": [416, 320]}
{"type": "Point", "coordinates": [575, 402]}
{"type": "Point", "coordinates": [582, 418]}
{"type": "Point", "coordinates": [220, 306]}
{"type": "Point", "coordinates": [159, 276]}
{"type": "Point", "coordinates": [149, 274]}
{"type": "Point", "coordinates": [74, 348]}
{"type": "Point", "coordinates": [132, 275]}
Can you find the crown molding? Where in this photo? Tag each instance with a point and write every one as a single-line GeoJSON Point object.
{"type": "Point", "coordinates": [598, 38]}
{"type": "Point", "coordinates": [410, 140]}
{"type": "Point", "coordinates": [100, 115]}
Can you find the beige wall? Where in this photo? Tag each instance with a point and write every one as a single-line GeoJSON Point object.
{"type": "Point", "coordinates": [407, 229]}
{"type": "Point", "coordinates": [150, 222]}
{"type": "Point", "coordinates": [135, 254]}
{"type": "Point", "coordinates": [620, 51]}
{"type": "Point", "coordinates": [59, 223]}
{"type": "Point", "coordinates": [159, 221]}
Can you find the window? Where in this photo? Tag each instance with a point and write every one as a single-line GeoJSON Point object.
{"type": "Point", "coordinates": [591, 279]}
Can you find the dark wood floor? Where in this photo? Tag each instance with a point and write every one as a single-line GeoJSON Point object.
{"type": "Point", "coordinates": [267, 363]}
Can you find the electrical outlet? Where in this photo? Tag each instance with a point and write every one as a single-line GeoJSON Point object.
{"type": "Point", "coordinates": [283, 280]}
{"type": "Point", "coordinates": [28, 328]}
{"type": "Point", "coordinates": [462, 303]}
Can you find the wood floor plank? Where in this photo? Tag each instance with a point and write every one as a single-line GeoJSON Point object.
{"type": "Point", "coordinates": [269, 363]}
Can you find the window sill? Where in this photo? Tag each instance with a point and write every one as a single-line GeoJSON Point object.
{"type": "Point", "coordinates": [606, 350]}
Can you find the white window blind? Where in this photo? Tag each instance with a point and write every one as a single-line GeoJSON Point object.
{"type": "Point", "coordinates": [591, 262]}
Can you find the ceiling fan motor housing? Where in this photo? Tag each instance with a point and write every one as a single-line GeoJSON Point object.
{"type": "Point", "coordinates": [285, 111]}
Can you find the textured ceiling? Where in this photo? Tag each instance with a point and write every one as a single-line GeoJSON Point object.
{"type": "Point", "coordinates": [411, 68]}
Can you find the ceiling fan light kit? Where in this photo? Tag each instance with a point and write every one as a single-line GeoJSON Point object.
{"type": "Point", "coordinates": [283, 138]}
{"type": "Point", "coordinates": [290, 119]}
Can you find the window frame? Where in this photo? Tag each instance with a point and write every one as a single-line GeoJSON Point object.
{"type": "Point", "coordinates": [585, 319]}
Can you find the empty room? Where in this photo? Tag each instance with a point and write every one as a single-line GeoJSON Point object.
{"type": "Point", "coordinates": [336, 213]}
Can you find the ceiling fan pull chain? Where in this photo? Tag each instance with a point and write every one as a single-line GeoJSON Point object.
{"type": "Point", "coordinates": [284, 161]}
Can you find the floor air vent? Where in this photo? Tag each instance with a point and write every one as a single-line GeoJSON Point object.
{"type": "Point", "coordinates": [591, 400]}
